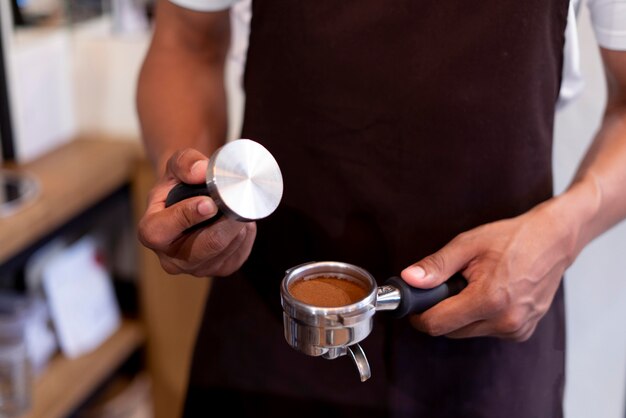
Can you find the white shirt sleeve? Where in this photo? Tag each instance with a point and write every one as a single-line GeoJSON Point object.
{"type": "Point", "coordinates": [609, 22]}
{"type": "Point", "coordinates": [204, 5]}
{"type": "Point", "coordinates": [572, 82]}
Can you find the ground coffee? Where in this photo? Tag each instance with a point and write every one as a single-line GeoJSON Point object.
{"type": "Point", "coordinates": [327, 291]}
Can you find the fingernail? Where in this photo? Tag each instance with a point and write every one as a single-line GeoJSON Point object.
{"type": "Point", "coordinates": [198, 168]}
{"type": "Point", "coordinates": [207, 207]}
{"type": "Point", "coordinates": [416, 272]}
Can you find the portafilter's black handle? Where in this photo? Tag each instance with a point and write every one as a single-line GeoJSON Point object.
{"type": "Point", "coordinates": [414, 300]}
{"type": "Point", "coordinates": [184, 191]}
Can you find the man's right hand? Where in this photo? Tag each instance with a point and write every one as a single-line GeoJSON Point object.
{"type": "Point", "coordinates": [217, 250]}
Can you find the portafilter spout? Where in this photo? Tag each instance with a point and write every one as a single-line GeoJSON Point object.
{"type": "Point", "coordinates": [362, 365]}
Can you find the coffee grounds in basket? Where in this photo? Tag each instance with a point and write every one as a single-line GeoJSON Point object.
{"type": "Point", "coordinates": [327, 291]}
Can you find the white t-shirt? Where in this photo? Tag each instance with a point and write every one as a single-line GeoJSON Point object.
{"type": "Point", "coordinates": [608, 18]}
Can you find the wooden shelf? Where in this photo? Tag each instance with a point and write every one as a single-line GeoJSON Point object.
{"type": "Point", "coordinates": [66, 383]}
{"type": "Point", "coordinates": [71, 179]}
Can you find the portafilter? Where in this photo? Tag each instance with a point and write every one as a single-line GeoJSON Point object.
{"type": "Point", "coordinates": [335, 331]}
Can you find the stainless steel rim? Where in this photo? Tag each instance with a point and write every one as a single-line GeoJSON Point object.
{"type": "Point", "coordinates": [293, 306]}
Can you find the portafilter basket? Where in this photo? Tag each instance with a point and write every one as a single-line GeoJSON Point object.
{"type": "Point", "coordinates": [331, 332]}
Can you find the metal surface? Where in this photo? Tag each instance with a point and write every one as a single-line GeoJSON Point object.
{"type": "Point", "coordinates": [333, 332]}
{"type": "Point", "coordinates": [245, 180]}
{"type": "Point", "coordinates": [320, 331]}
{"type": "Point", "coordinates": [387, 298]}
{"type": "Point", "coordinates": [363, 366]}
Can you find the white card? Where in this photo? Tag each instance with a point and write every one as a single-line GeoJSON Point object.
{"type": "Point", "coordinates": [82, 301]}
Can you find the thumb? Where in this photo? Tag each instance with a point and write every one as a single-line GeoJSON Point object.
{"type": "Point", "coordinates": [188, 166]}
{"type": "Point", "coordinates": [438, 267]}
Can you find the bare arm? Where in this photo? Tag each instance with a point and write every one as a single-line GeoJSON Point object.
{"type": "Point", "coordinates": [514, 266]}
{"type": "Point", "coordinates": [599, 187]}
{"type": "Point", "coordinates": [181, 102]}
{"type": "Point", "coordinates": [181, 99]}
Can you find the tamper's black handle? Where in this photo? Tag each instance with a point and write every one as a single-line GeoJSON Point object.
{"type": "Point", "coordinates": [184, 191]}
{"type": "Point", "coordinates": [414, 300]}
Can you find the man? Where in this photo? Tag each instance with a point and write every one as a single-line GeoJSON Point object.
{"type": "Point", "coordinates": [413, 137]}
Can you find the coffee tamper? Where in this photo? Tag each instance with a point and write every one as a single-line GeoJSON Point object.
{"type": "Point", "coordinates": [243, 179]}
{"type": "Point", "coordinates": [331, 332]}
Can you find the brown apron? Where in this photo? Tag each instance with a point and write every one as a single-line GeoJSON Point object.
{"type": "Point", "coordinates": [397, 125]}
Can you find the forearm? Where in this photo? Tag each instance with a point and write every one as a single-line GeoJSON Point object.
{"type": "Point", "coordinates": [180, 105]}
{"type": "Point", "coordinates": [181, 99]}
{"type": "Point", "coordinates": [596, 199]}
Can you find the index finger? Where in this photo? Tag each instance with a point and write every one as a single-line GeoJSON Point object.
{"type": "Point", "coordinates": [158, 229]}
{"type": "Point", "coordinates": [456, 312]}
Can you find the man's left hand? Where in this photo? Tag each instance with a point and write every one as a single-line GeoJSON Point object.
{"type": "Point", "coordinates": [513, 268]}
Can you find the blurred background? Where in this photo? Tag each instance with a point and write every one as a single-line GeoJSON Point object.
{"type": "Point", "coordinates": [90, 325]}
